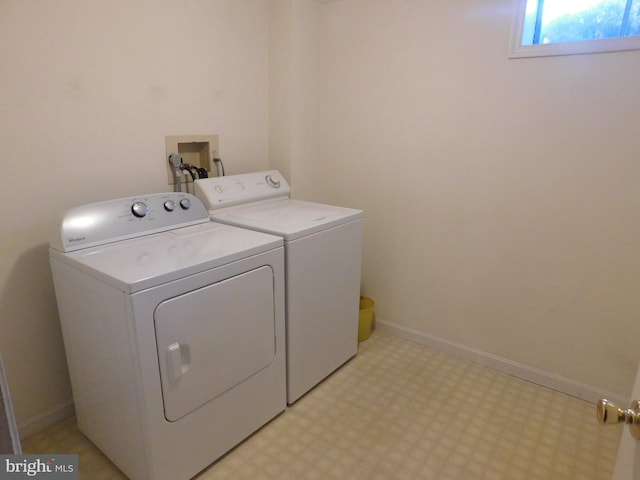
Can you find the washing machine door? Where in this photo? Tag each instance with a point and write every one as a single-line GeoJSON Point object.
{"type": "Point", "coordinates": [212, 339]}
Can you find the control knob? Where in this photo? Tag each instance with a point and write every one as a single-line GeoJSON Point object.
{"type": "Point", "coordinates": [169, 205]}
{"type": "Point", "coordinates": [185, 203]}
{"type": "Point", "coordinates": [139, 209]}
{"type": "Point", "coordinates": [272, 181]}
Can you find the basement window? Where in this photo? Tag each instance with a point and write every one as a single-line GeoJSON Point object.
{"type": "Point", "coordinates": [565, 27]}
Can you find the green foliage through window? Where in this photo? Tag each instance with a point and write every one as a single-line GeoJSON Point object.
{"type": "Point", "coordinates": [559, 21]}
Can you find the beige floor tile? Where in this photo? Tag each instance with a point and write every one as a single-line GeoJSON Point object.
{"type": "Point", "coordinates": [403, 411]}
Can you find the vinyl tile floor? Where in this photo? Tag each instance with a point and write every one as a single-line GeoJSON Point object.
{"type": "Point", "coordinates": [398, 411]}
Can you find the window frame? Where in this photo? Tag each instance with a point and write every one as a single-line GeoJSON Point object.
{"type": "Point", "coordinates": [602, 45]}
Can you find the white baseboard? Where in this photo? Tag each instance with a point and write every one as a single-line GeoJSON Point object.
{"type": "Point", "coordinates": [504, 365]}
{"type": "Point", "coordinates": [43, 420]}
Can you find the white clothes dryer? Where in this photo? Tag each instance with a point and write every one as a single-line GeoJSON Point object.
{"type": "Point", "coordinates": [173, 328]}
{"type": "Point", "coordinates": [323, 249]}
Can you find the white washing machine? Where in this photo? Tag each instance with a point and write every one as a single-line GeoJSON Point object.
{"type": "Point", "coordinates": [173, 328]}
{"type": "Point", "coordinates": [323, 249]}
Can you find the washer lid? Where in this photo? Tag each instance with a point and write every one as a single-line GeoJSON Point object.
{"type": "Point", "coordinates": [291, 219]}
{"type": "Point", "coordinates": [137, 264]}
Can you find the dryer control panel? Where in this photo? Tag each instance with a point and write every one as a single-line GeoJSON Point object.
{"type": "Point", "coordinates": [114, 220]}
{"type": "Point", "coordinates": [221, 192]}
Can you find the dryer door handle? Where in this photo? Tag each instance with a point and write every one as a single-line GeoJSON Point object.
{"type": "Point", "coordinates": [174, 362]}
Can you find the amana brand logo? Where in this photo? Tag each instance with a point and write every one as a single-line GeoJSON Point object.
{"type": "Point", "coordinates": [51, 467]}
{"type": "Point", "coordinates": [76, 239]}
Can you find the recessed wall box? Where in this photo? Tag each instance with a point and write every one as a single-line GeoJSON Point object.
{"type": "Point", "coordinates": [196, 150]}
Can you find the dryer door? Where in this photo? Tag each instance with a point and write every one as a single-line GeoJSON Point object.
{"type": "Point", "coordinates": [212, 339]}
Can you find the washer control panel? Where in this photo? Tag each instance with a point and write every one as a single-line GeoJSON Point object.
{"type": "Point", "coordinates": [114, 220]}
{"type": "Point", "coordinates": [221, 192]}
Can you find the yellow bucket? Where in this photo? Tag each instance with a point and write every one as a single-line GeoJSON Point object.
{"type": "Point", "coordinates": [366, 318]}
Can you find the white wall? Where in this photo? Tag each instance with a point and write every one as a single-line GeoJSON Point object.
{"type": "Point", "coordinates": [295, 76]}
{"type": "Point", "coordinates": [501, 196]}
{"type": "Point", "coordinates": [89, 90]}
